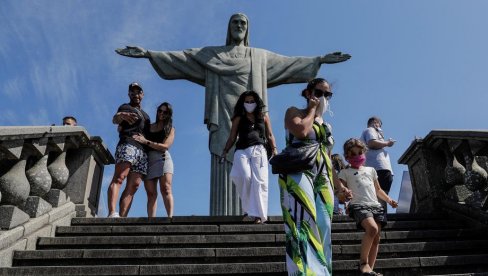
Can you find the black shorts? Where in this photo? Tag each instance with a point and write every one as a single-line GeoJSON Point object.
{"type": "Point", "coordinates": [360, 212]}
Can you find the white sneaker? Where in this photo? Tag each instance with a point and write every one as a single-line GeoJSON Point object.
{"type": "Point", "coordinates": [114, 215]}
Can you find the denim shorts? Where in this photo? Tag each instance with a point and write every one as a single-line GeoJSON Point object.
{"type": "Point", "coordinates": [360, 212]}
{"type": "Point", "coordinates": [132, 154]}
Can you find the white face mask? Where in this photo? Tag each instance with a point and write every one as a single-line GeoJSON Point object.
{"type": "Point", "coordinates": [250, 107]}
{"type": "Point", "coordinates": [323, 106]}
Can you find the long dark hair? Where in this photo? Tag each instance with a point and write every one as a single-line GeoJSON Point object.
{"type": "Point", "coordinates": [239, 109]}
{"type": "Point", "coordinates": [168, 120]}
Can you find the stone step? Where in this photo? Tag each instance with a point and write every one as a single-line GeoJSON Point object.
{"type": "Point", "coordinates": [154, 239]}
{"type": "Point", "coordinates": [176, 229]}
{"type": "Point", "coordinates": [419, 265]}
{"type": "Point", "coordinates": [410, 249]}
{"type": "Point", "coordinates": [104, 230]}
{"type": "Point", "coordinates": [275, 268]}
{"type": "Point", "coordinates": [190, 241]}
{"type": "Point", "coordinates": [226, 255]}
{"type": "Point", "coordinates": [413, 235]}
{"type": "Point", "coordinates": [464, 264]}
{"type": "Point", "coordinates": [148, 256]}
{"type": "Point", "coordinates": [231, 219]}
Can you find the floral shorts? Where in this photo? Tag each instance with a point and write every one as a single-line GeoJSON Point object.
{"type": "Point", "coordinates": [134, 155]}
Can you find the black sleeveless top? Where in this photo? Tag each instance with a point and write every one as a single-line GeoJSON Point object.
{"type": "Point", "coordinates": [157, 136]}
{"type": "Point", "coordinates": [250, 133]}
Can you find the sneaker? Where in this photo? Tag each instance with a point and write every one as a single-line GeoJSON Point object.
{"type": "Point", "coordinates": [114, 215]}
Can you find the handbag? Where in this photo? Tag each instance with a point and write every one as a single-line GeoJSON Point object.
{"type": "Point", "coordinates": [296, 157]}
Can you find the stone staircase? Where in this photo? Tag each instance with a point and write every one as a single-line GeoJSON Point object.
{"type": "Point", "coordinates": [411, 245]}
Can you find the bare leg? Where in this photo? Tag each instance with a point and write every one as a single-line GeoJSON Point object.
{"type": "Point", "coordinates": [374, 248]}
{"type": "Point", "coordinates": [152, 196]}
{"type": "Point", "coordinates": [133, 181]}
{"type": "Point", "coordinates": [165, 182]}
{"type": "Point", "coordinates": [371, 231]}
{"type": "Point", "coordinates": [120, 173]}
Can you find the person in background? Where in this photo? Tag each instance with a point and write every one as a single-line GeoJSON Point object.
{"type": "Point", "coordinates": [307, 198]}
{"type": "Point", "coordinates": [250, 167]}
{"type": "Point", "coordinates": [377, 156]}
{"type": "Point", "coordinates": [160, 164]}
{"type": "Point", "coordinates": [338, 165]}
{"type": "Point", "coordinates": [130, 157]}
{"type": "Point", "coordinates": [69, 121]}
{"type": "Point", "coordinates": [364, 206]}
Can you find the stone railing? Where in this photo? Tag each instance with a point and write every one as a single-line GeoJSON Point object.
{"type": "Point", "coordinates": [44, 167]}
{"type": "Point", "coordinates": [48, 175]}
{"type": "Point", "coordinates": [448, 169]}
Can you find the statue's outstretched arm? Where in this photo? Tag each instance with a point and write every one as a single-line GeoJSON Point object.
{"type": "Point", "coordinates": [133, 51]}
{"type": "Point", "coordinates": [335, 57]}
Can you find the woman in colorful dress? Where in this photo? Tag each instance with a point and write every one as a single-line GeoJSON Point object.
{"type": "Point", "coordinates": [159, 139]}
{"type": "Point", "coordinates": [307, 198]}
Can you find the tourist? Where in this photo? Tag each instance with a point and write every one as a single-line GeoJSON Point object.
{"type": "Point", "coordinates": [307, 198]}
{"type": "Point", "coordinates": [364, 206]}
{"type": "Point", "coordinates": [338, 165]}
{"type": "Point", "coordinates": [69, 121]}
{"type": "Point", "coordinates": [160, 164]}
{"type": "Point", "coordinates": [250, 167]}
{"type": "Point", "coordinates": [376, 156]}
{"type": "Point", "coordinates": [130, 158]}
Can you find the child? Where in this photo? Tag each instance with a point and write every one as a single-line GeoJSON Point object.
{"type": "Point", "coordinates": [364, 206]}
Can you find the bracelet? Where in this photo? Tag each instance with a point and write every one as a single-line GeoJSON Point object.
{"type": "Point", "coordinates": [148, 143]}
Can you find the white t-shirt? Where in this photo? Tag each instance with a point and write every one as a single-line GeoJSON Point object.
{"type": "Point", "coordinates": [361, 183]}
{"type": "Point", "coordinates": [376, 158]}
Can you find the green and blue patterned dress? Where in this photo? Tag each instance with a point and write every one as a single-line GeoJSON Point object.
{"type": "Point", "coordinates": [307, 202]}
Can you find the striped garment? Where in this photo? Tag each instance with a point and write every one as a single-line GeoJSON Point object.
{"type": "Point", "coordinates": [307, 202]}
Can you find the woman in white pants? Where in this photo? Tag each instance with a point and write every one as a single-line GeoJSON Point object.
{"type": "Point", "coordinates": [249, 171]}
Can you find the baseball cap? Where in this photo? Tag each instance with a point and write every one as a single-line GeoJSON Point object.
{"type": "Point", "coordinates": [135, 84]}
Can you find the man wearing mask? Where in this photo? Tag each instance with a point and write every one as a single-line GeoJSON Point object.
{"type": "Point", "coordinates": [376, 156]}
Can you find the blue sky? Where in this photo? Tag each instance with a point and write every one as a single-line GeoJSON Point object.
{"type": "Point", "coordinates": [419, 65]}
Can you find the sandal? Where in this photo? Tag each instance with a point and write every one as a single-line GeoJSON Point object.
{"type": "Point", "coordinates": [364, 273]}
{"type": "Point", "coordinates": [371, 273]}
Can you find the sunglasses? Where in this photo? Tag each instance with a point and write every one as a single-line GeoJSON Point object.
{"type": "Point", "coordinates": [319, 93]}
{"type": "Point", "coordinates": [165, 112]}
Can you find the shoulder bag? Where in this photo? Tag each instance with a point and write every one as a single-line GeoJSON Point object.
{"type": "Point", "coordinates": [296, 157]}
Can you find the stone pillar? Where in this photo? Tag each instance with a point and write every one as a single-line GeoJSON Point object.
{"type": "Point", "coordinates": [224, 200]}
{"type": "Point", "coordinates": [86, 165]}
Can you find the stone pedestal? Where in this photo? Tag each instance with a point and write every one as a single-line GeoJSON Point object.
{"type": "Point", "coordinates": [56, 197]}
{"type": "Point", "coordinates": [36, 206]}
{"type": "Point", "coordinates": [11, 216]}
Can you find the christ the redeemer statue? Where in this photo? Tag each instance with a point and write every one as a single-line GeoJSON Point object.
{"type": "Point", "coordinates": [226, 72]}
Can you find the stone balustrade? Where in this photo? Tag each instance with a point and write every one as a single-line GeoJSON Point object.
{"type": "Point", "coordinates": [448, 169]}
{"type": "Point", "coordinates": [44, 167]}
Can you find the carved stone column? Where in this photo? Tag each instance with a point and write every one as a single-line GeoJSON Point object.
{"type": "Point", "coordinates": [15, 189]}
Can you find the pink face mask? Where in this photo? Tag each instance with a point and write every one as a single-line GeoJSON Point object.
{"type": "Point", "coordinates": [357, 161]}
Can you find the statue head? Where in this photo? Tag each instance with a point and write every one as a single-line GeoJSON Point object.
{"type": "Point", "coordinates": [238, 30]}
